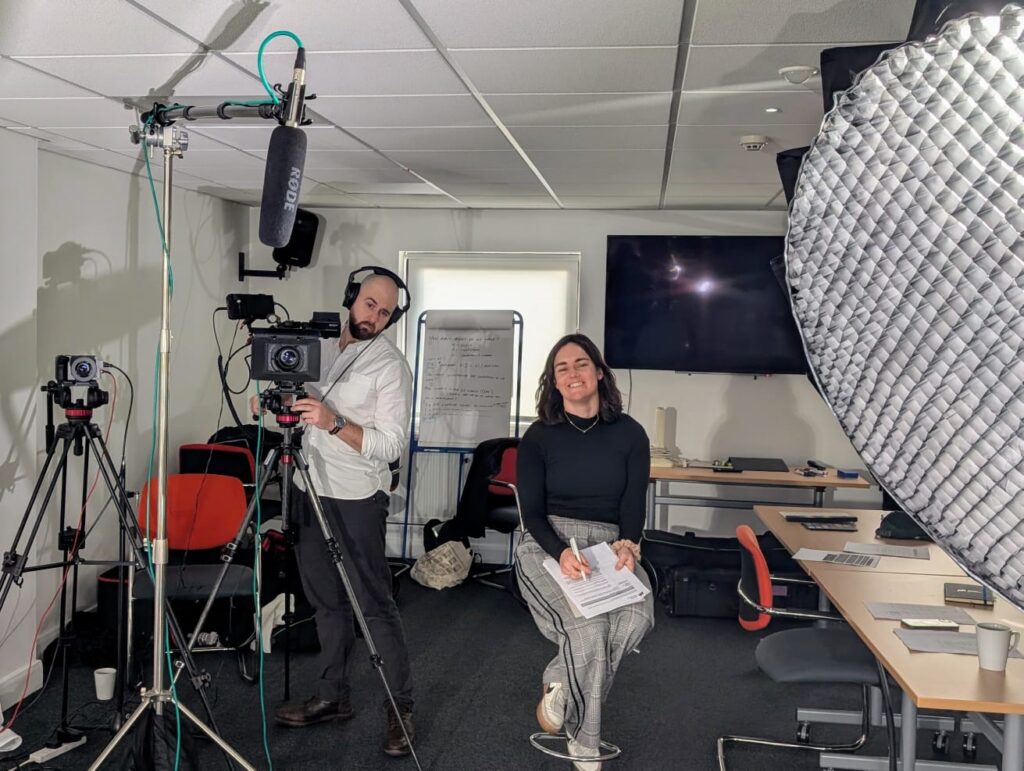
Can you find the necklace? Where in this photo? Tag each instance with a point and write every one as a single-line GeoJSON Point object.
{"type": "Point", "coordinates": [597, 419]}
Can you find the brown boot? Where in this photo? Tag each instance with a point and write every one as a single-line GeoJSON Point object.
{"type": "Point", "coordinates": [396, 746]}
{"type": "Point", "coordinates": [297, 714]}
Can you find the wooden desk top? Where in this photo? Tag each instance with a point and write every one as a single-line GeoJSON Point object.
{"type": "Point", "coordinates": [757, 478]}
{"type": "Point", "coordinates": [795, 536]}
{"type": "Point", "coordinates": [933, 680]}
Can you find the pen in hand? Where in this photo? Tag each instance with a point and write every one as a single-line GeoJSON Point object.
{"type": "Point", "coordinates": [576, 554]}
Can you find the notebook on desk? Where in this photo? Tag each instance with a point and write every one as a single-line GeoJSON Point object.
{"type": "Point", "coordinates": [758, 464]}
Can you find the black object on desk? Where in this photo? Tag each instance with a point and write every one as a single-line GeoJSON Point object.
{"type": "Point", "coordinates": [845, 527]}
{"type": "Point", "coordinates": [758, 464]}
{"type": "Point", "coordinates": [726, 470]}
{"type": "Point", "coordinates": [844, 518]}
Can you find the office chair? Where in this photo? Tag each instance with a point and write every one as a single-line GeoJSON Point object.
{"type": "Point", "coordinates": [204, 512]}
{"type": "Point", "coordinates": [503, 513]}
{"type": "Point", "coordinates": [823, 655]}
{"type": "Point", "coordinates": [231, 460]}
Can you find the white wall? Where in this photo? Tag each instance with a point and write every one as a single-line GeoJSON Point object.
{"type": "Point", "coordinates": [99, 293]}
{"type": "Point", "coordinates": [710, 415]}
{"type": "Point", "coordinates": [19, 401]}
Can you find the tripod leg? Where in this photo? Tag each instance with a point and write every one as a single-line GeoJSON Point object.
{"type": "Point", "coordinates": [13, 561]}
{"type": "Point", "coordinates": [215, 738]}
{"type": "Point", "coordinates": [228, 555]}
{"type": "Point", "coordinates": [117, 493]}
{"type": "Point", "coordinates": [334, 550]}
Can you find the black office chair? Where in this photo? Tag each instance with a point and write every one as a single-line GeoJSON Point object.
{"type": "Point", "coordinates": [822, 655]}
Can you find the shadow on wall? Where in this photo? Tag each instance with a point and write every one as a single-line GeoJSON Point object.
{"type": "Point", "coordinates": [750, 430]}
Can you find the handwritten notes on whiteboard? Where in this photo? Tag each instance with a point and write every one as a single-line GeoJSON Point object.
{"type": "Point", "coordinates": [467, 378]}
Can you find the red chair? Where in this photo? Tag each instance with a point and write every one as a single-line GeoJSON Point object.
{"type": "Point", "coordinates": [825, 655]}
{"type": "Point", "coordinates": [229, 460]}
{"type": "Point", "coordinates": [204, 511]}
{"type": "Point", "coordinates": [504, 514]}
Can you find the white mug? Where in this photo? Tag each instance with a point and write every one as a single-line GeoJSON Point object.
{"type": "Point", "coordinates": [995, 641]}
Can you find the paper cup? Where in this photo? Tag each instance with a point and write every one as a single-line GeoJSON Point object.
{"type": "Point", "coordinates": [105, 678]}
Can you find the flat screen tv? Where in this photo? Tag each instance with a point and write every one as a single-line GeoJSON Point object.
{"type": "Point", "coordinates": [699, 304]}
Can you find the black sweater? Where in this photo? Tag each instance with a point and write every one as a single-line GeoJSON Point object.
{"type": "Point", "coordinates": [599, 476]}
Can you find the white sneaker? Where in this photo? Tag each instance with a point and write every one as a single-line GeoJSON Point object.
{"type": "Point", "coordinates": [551, 708]}
{"type": "Point", "coordinates": [577, 750]}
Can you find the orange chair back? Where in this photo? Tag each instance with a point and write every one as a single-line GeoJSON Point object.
{"type": "Point", "coordinates": [755, 580]}
{"type": "Point", "coordinates": [506, 472]}
{"type": "Point", "coordinates": [204, 511]}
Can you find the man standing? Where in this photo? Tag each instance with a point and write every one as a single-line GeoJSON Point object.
{"type": "Point", "coordinates": [356, 425]}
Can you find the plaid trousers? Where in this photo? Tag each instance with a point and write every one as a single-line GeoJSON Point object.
{"type": "Point", "coordinates": [589, 650]}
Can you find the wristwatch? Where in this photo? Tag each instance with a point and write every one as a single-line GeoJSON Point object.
{"type": "Point", "coordinates": [339, 423]}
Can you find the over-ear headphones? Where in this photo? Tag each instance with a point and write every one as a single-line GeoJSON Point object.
{"type": "Point", "coordinates": [352, 290]}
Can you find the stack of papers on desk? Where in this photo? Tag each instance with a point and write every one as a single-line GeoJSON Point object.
{"type": "Point", "coordinates": [888, 550]}
{"type": "Point", "coordinates": [605, 588]}
{"type": "Point", "coordinates": [927, 641]}
{"type": "Point", "coordinates": [897, 611]}
{"type": "Point", "coordinates": [837, 558]}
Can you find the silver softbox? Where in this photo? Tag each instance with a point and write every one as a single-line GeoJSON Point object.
{"type": "Point", "coordinates": [904, 254]}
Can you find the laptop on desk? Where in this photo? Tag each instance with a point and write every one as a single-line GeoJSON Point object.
{"type": "Point", "coordinates": [758, 464]}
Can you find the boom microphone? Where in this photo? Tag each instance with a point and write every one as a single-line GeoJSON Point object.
{"type": "Point", "coordinates": [286, 159]}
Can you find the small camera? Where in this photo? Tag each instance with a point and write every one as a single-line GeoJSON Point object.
{"type": "Point", "coordinates": [78, 370]}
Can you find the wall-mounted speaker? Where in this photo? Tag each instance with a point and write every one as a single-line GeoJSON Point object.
{"type": "Point", "coordinates": [304, 243]}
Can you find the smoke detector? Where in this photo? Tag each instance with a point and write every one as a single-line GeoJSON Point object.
{"type": "Point", "coordinates": [798, 74]}
{"type": "Point", "coordinates": [753, 143]}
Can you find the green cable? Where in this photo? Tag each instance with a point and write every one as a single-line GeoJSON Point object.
{"type": "Point", "coordinates": [259, 59]}
{"type": "Point", "coordinates": [255, 583]}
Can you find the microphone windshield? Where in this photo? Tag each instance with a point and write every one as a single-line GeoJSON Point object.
{"type": "Point", "coordinates": [282, 182]}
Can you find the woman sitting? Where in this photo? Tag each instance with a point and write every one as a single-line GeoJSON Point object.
{"type": "Point", "coordinates": [582, 473]}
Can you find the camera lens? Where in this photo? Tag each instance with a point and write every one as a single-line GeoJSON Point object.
{"type": "Point", "coordinates": [287, 358]}
{"type": "Point", "coordinates": [83, 369]}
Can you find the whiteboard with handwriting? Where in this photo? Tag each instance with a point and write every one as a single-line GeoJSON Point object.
{"type": "Point", "coordinates": [467, 378]}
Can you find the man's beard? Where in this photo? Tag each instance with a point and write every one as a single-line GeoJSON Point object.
{"type": "Point", "coordinates": [359, 331]}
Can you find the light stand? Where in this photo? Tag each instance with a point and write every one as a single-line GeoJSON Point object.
{"type": "Point", "coordinates": [173, 142]}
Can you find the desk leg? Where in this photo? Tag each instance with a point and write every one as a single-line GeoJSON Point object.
{"type": "Point", "coordinates": [908, 734]}
{"type": "Point", "coordinates": [1013, 743]}
{"type": "Point", "coordinates": [819, 497]}
{"type": "Point", "coordinates": [652, 490]}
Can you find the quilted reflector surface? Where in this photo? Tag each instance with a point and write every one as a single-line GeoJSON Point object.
{"type": "Point", "coordinates": [904, 253]}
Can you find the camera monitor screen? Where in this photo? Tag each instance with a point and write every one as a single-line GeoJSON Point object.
{"type": "Point", "coordinates": [699, 304]}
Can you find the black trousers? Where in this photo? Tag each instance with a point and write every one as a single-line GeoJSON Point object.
{"type": "Point", "coordinates": [360, 527]}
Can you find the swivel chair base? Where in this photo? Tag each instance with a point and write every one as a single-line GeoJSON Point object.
{"type": "Point", "coordinates": [542, 740]}
{"type": "Point", "coordinates": [850, 747]}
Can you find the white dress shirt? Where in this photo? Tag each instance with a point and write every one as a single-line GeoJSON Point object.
{"type": "Point", "coordinates": [375, 392]}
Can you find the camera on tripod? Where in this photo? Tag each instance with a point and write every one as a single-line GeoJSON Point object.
{"type": "Point", "coordinates": [289, 351]}
{"type": "Point", "coordinates": [77, 371]}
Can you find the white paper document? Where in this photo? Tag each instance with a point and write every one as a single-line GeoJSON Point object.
{"type": "Point", "coordinates": [888, 550]}
{"type": "Point", "coordinates": [837, 558]}
{"type": "Point", "coordinates": [928, 641]}
{"type": "Point", "coordinates": [896, 611]}
{"type": "Point", "coordinates": [605, 588]}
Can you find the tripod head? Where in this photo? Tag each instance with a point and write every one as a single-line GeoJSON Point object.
{"type": "Point", "coordinates": [274, 400]}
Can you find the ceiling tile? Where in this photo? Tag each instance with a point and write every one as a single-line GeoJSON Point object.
{"type": "Point", "coordinates": [349, 178]}
{"type": "Point", "coordinates": [78, 112]}
{"type": "Point", "coordinates": [20, 82]}
{"type": "Point", "coordinates": [738, 167]}
{"type": "Point", "coordinates": [569, 70]}
{"type": "Point", "coordinates": [426, 162]}
{"type": "Point", "coordinates": [582, 109]}
{"type": "Point", "coordinates": [356, 112]}
{"type": "Point", "coordinates": [65, 27]}
{"type": "Point", "coordinates": [498, 23]}
{"type": "Point", "coordinates": [600, 165]}
{"type": "Point", "coordinates": [339, 25]}
{"type": "Point", "coordinates": [440, 138]}
{"type": "Point", "coordinates": [714, 108]}
{"type": "Point", "coordinates": [726, 138]}
{"type": "Point", "coordinates": [409, 201]}
{"type": "Point", "coordinates": [156, 76]}
{"type": "Point", "coordinates": [801, 21]}
{"type": "Point", "coordinates": [363, 73]}
{"type": "Point", "coordinates": [509, 201]}
{"type": "Point", "coordinates": [604, 188]}
{"type": "Point", "coordinates": [257, 138]}
{"type": "Point", "coordinates": [748, 68]}
{"type": "Point", "coordinates": [345, 159]}
{"type": "Point", "coordinates": [611, 202]}
{"type": "Point", "coordinates": [496, 189]}
{"type": "Point", "coordinates": [591, 137]}
{"type": "Point", "coordinates": [723, 191]}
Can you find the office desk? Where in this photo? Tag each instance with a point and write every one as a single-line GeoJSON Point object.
{"type": "Point", "coordinates": [928, 680]}
{"type": "Point", "coordinates": [819, 486]}
{"type": "Point", "coordinates": [795, 536]}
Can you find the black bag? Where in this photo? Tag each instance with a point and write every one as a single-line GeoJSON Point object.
{"type": "Point", "coordinates": [248, 437]}
{"type": "Point", "coordinates": [156, 743]}
{"type": "Point", "coordinates": [898, 524]}
{"type": "Point", "coordinates": [698, 575]}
